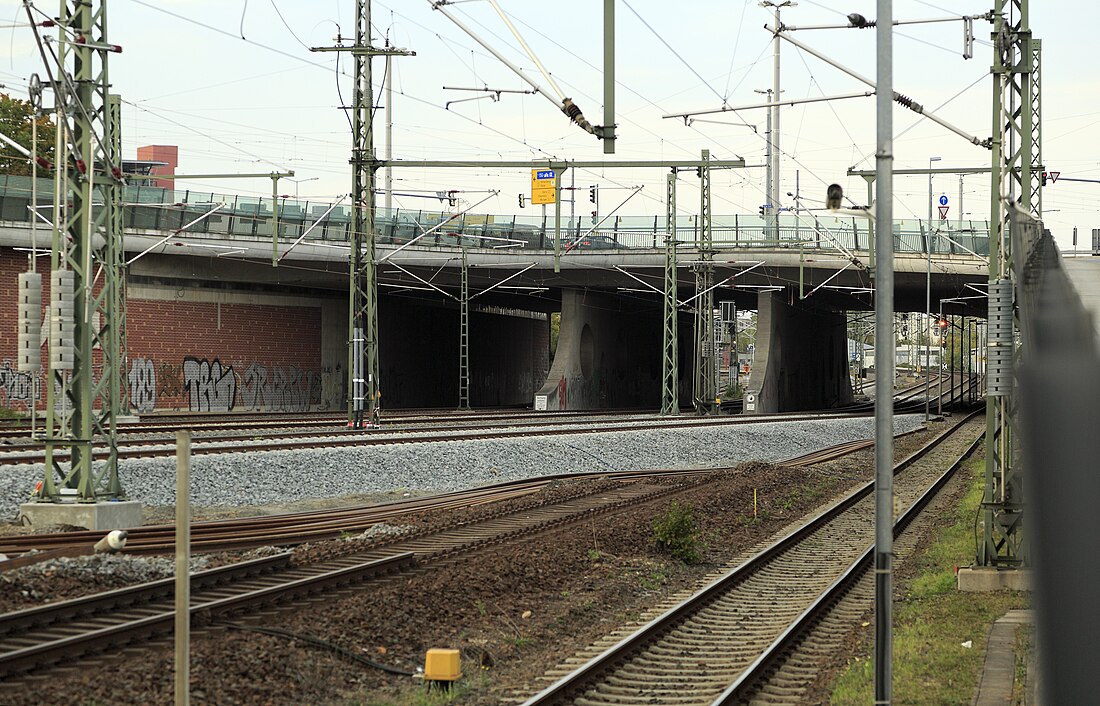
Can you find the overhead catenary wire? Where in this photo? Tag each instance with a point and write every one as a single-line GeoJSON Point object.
{"type": "Point", "coordinates": [219, 30]}
{"type": "Point", "coordinates": [527, 144]}
{"type": "Point", "coordinates": [481, 124]}
{"type": "Point", "coordinates": [527, 48]}
{"type": "Point", "coordinates": [674, 52]}
{"type": "Point", "coordinates": [211, 137]}
{"type": "Point", "coordinates": [736, 45]}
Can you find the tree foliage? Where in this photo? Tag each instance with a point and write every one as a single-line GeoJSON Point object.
{"type": "Point", "coordinates": [16, 119]}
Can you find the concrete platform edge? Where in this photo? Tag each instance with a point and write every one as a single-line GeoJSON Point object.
{"type": "Point", "coordinates": [92, 516]}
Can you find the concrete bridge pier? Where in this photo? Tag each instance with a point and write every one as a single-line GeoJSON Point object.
{"type": "Point", "coordinates": [608, 354]}
{"type": "Point", "coordinates": [801, 359]}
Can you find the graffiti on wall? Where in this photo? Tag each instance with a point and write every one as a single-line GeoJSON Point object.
{"type": "Point", "coordinates": [169, 380]}
{"type": "Point", "coordinates": [289, 389]}
{"type": "Point", "coordinates": [16, 387]}
{"type": "Point", "coordinates": [332, 388]}
{"type": "Point", "coordinates": [143, 384]}
{"type": "Point", "coordinates": [209, 386]}
{"type": "Point", "coordinates": [206, 385]}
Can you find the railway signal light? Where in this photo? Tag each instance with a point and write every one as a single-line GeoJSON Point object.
{"type": "Point", "coordinates": [942, 323]}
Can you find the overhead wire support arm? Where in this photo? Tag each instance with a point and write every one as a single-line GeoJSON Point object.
{"type": "Point", "coordinates": [856, 21]}
{"type": "Point", "coordinates": [898, 98]}
{"type": "Point", "coordinates": [563, 164]}
{"type": "Point", "coordinates": [506, 279]}
{"type": "Point", "coordinates": [492, 93]}
{"type": "Point", "coordinates": [274, 176]}
{"type": "Point", "coordinates": [486, 89]}
{"type": "Point", "coordinates": [436, 227]}
{"type": "Point", "coordinates": [572, 245]}
{"type": "Point", "coordinates": [566, 105]}
{"type": "Point", "coordinates": [527, 48]}
{"type": "Point", "coordinates": [770, 104]}
{"type": "Point", "coordinates": [367, 51]}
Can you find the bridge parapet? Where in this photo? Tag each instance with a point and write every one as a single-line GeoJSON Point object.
{"type": "Point", "coordinates": [244, 217]}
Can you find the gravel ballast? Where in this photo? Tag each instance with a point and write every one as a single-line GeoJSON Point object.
{"type": "Point", "coordinates": [264, 477]}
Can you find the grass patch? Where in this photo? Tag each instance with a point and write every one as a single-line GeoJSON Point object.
{"type": "Point", "coordinates": [421, 695]}
{"type": "Point", "coordinates": [7, 414]}
{"type": "Point", "coordinates": [932, 620]}
{"type": "Point", "coordinates": [676, 533]}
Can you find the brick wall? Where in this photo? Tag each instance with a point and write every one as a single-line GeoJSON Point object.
{"type": "Point", "coordinates": [211, 357]}
{"type": "Point", "coordinates": [185, 354]}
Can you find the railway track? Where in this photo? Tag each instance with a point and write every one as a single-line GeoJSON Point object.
{"type": "Point", "coordinates": [34, 639]}
{"type": "Point", "coordinates": [278, 420]}
{"type": "Point", "coordinates": [724, 639]}
{"type": "Point", "coordinates": [296, 528]}
{"type": "Point", "coordinates": [30, 453]}
{"type": "Point", "coordinates": [38, 638]}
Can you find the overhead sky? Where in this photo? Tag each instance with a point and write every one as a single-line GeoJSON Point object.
{"type": "Point", "coordinates": [234, 85]}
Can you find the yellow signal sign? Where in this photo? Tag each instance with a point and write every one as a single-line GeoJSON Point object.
{"type": "Point", "coordinates": [543, 186]}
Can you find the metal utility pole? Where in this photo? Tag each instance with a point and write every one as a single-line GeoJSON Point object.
{"type": "Point", "coordinates": [364, 387]}
{"type": "Point", "coordinates": [774, 161]}
{"type": "Point", "coordinates": [944, 349]}
{"type": "Point", "coordinates": [884, 355]}
{"type": "Point", "coordinates": [607, 130]}
{"type": "Point", "coordinates": [704, 392]}
{"type": "Point", "coordinates": [389, 133]}
{"type": "Point", "coordinates": [1016, 152]}
{"type": "Point", "coordinates": [116, 254]}
{"type": "Point", "coordinates": [670, 364]}
{"type": "Point", "coordinates": [83, 319]}
{"type": "Point", "coordinates": [928, 297]}
{"type": "Point", "coordinates": [960, 199]}
{"type": "Point", "coordinates": [770, 214]}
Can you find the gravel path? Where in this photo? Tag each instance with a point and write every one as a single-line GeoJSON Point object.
{"type": "Point", "coordinates": [260, 478]}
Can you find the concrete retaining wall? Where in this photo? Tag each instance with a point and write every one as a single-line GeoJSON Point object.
{"type": "Point", "coordinates": [608, 354]}
{"type": "Point", "coordinates": [801, 360]}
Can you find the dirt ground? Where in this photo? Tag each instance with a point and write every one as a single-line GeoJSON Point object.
{"type": "Point", "coordinates": [513, 611]}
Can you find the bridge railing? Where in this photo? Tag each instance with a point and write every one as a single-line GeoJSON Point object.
{"type": "Point", "coordinates": [154, 208]}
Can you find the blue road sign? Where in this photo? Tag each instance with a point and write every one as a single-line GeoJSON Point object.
{"type": "Point", "coordinates": [943, 200]}
{"type": "Point", "coordinates": [545, 174]}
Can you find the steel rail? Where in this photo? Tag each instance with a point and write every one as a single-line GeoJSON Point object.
{"type": "Point", "coordinates": [580, 678]}
{"type": "Point", "coordinates": [35, 656]}
{"type": "Point", "coordinates": [205, 447]}
{"type": "Point", "coordinates": [317, 525]}
{"type": "Point", "coordinates": [122, 597]}
{"type": "Point", "coordinates": [463, 537]}
{"type": "Point", "coordinates": [738, 690]}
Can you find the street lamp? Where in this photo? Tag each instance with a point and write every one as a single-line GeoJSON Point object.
{"type": "Point", "coordinates": [928, 298]}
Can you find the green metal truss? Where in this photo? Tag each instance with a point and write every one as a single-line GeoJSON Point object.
{"type": "Point", "coordinates": [83, 406]}
{"type": "Point", "coordinates": [704, 391]}
{"type": "Point", "coordinates": [1016, 174]}
{"type": "Point", "coordinates": [670, 363]}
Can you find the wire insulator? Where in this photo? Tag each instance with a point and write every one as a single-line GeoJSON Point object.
{"type": "Point", "coordinates": [575, 114]}
{"type": "Point", "coordinates": [909, 103]}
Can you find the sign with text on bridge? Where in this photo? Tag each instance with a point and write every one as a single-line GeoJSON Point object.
{"type": "Point", "coordinates": [543, 186]}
